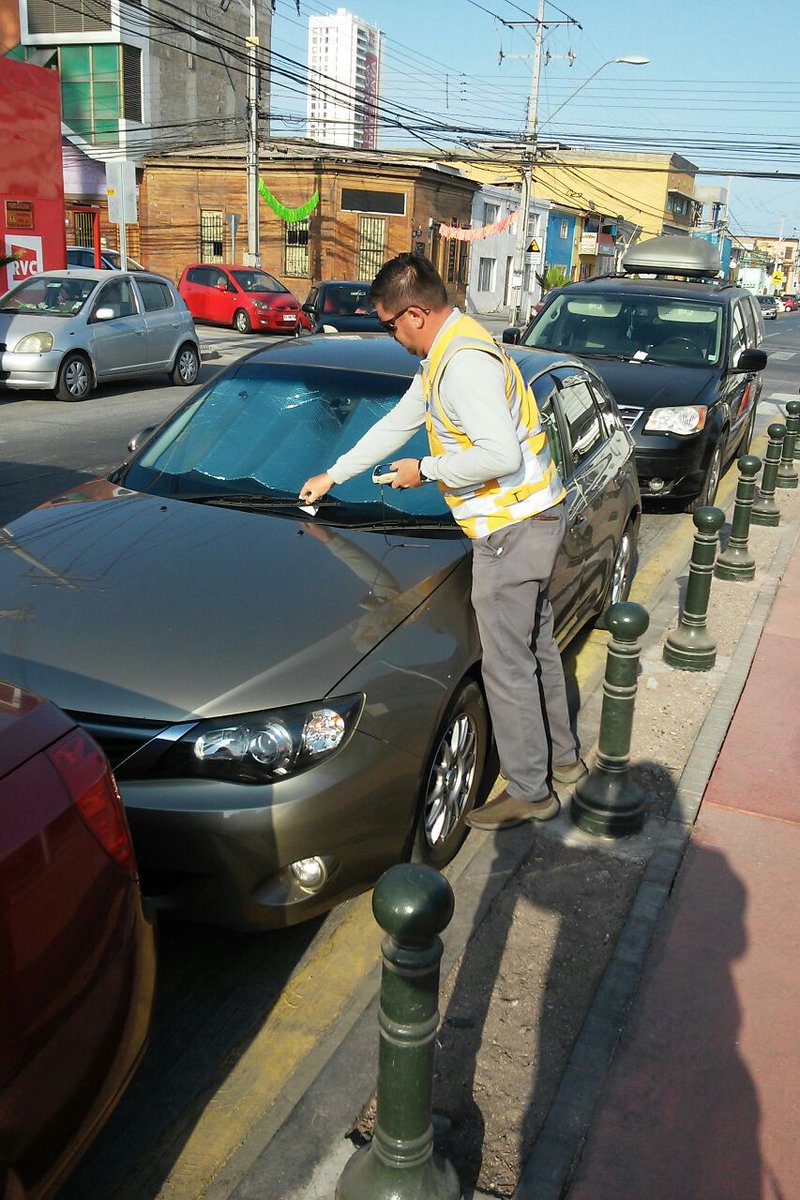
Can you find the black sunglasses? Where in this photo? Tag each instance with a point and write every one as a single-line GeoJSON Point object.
{"type": "Point", "coordinates": [389, 325]}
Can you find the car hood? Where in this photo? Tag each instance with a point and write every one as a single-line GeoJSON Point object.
{"type": "Point", "coordinates": [14, 326]}
{"type": "Point", "coordinates": [355, 323]}
{"type": "Point", "coordinates": [274, 299]}
{"type": "Point", "coordinates": [654, 385]}
{"type": "Point", "coordinates": [123, 604]}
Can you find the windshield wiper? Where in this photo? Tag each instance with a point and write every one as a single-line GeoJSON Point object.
{"type": "Point", "coordinates": [246, 499]}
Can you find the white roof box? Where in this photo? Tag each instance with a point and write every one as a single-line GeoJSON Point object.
{"type": "Point", "coordinates": [670, 254]}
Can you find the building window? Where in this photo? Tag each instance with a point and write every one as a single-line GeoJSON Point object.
{"type": "Point", "coordinates": [295, 248]}
{"type": "Point", "coordinates": [371, 246]}
{"type": "Point", "coordinates": [360, 200]}
{"type": "Point", "coordinates": [491, 213]}
{"type": "Point", "coordinates": [99, 85]}
{"type": "Point", "coordinates": [487, 271]}
{"type": "Point", "coordinates": [212, 235]}
{"type": "Point", "coordinates": [563, 231]}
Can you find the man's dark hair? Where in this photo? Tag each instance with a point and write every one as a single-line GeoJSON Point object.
{"type": "Point", "coordinates": [409, 279]}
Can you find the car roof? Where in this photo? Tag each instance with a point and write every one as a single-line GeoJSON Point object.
{"type": "Point", "coordinates": [690, 289]}
{"type": "Point", "coordinates": [377, 353]}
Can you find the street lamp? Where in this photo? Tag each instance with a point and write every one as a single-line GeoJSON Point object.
{"type": "Point", "coordinates": [633, 60]}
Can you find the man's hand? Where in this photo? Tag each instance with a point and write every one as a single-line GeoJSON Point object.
{"type": "Point", "coordinates": [407, 473]}
{"type": "Point", "coordinates": [315, 487]}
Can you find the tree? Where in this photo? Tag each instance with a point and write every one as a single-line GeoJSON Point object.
{"type": "Point", "coordinates": [552, 277]}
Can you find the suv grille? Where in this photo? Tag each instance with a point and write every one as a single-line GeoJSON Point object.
{"type": "Point", "coordinates": [629, 415]}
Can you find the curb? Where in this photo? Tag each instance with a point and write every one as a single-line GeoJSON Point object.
{"type": "Point", "coordinates": [550, 1167]}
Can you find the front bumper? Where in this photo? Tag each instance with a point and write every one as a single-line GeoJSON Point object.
{"type": "Point", "coordinates": [668, 465]}
{"type": "Point", "coordinates": [220, 852]}
{"type": "Point", "coordinates": [30, 371]}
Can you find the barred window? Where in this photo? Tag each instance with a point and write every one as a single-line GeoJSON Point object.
{"type": "Point", "coordinates": [212, 235]}
{"type": "Point", "coordinates": [295, 248]}
{"type": "Point", "coordinates": [371, 246]}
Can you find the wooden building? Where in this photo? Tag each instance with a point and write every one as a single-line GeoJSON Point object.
{"type": "Point", "coordinates": [370, 208]}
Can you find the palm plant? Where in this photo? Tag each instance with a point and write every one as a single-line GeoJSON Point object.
{"type": "Point", "coordinates": [552, 277]}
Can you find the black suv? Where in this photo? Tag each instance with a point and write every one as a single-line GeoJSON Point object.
{"type": "Point", "coordinates": [681, 356]}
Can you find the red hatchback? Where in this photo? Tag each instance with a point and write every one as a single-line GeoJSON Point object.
{"type": "Point", "coordinates": [77, 953]}
{"type": "Point", "coordinates": [243, 297]}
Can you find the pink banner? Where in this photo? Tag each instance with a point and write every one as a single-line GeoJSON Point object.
{"type": "Point", "coordinates": [475, 235]}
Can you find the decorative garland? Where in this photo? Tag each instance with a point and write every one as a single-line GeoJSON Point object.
{"type": "Point", "coordinates": [287, 214]}
{"type": "Point", "coordinates": [474, 235]}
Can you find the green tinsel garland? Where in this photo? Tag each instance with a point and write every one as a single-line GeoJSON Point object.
{"type": "Point", "coordinates": [287, 214]}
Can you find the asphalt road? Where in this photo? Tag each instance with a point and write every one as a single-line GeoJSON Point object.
{"type": "Point", "coordinates": [229, 1004]}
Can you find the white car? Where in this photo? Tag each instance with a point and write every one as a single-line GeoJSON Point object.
{"type": "Point", "coordinates": [69, 331]}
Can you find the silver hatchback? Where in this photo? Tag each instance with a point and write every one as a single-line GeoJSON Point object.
{"type": "Point", "coordinates": [68, 331]}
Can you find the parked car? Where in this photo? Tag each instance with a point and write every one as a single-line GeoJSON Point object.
{"type": "Point", "coordinates": [303, 707]}
{"type": "Point", "coordinates": [110, 260]}
{"type": "Point", "coordinates": [243, 297]}
{"type": "Point", "coordinates": [779, 304]}
{"type": "Point", "coordinates": [769, 309]}
{"type": "Point", "coordinates": [70, 331]}
{"type": "Point", "coordinates": [682, 357]}
{"type": "Point", "coordinates": [790, 302]}
{"type": "Point", "coordinates": [77, 956]}
{"type": "Point", "coordinates": [342, 306]}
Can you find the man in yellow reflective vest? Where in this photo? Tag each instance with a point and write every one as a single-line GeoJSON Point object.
{"type": "Point", "coordinates": [489, 455]}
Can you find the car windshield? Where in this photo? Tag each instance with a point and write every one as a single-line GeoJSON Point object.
{"type": "Point", "coordinates": [346, 300]}
{"type": "Point", "coordinates": [262, 430]}
{"type": "Point", "coordinates": [767, 301]}
{"type": "Point", "coordinates": [257, 281]}
{"type": "Point", "coordinates": [618, 325]}
{"type": "Point", "coordinates": [55, 295]}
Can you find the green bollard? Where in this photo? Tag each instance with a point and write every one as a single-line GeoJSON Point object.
{"type": "Point", "coordinates": [736, 561]}
{"type": "Point", "coordinates": [765, 510]}
{"type": "Point", "coordinates": [607, 801]}
{"type": "Point", "coordinates": [787, 471]}
{"type": "Point", "coordinates": [690, 647]}
{"type": "Point", "coordinates": [413, 904]}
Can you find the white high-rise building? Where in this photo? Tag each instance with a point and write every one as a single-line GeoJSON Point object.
{"type": "Point", "coordinates": [344, 72]}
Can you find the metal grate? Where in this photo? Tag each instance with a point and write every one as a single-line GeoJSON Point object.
{"type": "Point", "coordinates": [629, 415]}
{"type": "Point", "coordinates": [295, 250]}
{"type": "Point", "coordinates": [212, 235]}
{"type": "Point", "coordinates": [83, 228]}
{"type": "Point", "coordinates": [371, 246]}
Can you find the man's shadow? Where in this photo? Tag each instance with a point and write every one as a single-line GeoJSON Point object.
{"type": "Point", "coordinates": [695, 1103]}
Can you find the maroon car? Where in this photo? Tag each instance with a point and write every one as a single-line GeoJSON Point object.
{"type": "Point", "coordinates": [77, 954]}
{"type": "Point", "coordinates": [243, 297]}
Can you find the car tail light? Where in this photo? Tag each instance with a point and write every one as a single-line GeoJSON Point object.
{"type": "Point", "coordinates": [87, 777]}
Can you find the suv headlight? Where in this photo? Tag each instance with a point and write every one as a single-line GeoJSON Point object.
{"type": "Point", "coordinates": [685, 419]}
{"type": "Point", "coordinates": [262, 747]}
{"type": "Point", "coordinates": [34, 343]}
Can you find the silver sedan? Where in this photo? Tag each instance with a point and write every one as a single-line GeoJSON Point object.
{"type": "Point", "coordinates": [68, 331]}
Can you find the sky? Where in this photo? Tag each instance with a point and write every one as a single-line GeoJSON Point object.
{"type": "Point", "coordinates": [722, 86]}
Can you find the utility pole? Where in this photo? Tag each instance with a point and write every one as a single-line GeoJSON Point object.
{"type": "Point", "coordinates": [253, 257]}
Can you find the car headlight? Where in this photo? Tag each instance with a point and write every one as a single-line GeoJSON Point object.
{"type": "Point", "coordinates": [34, 343]}
{"type": "Point", "coordinates": [263, 747]}
{"type": "Point", "coordinates": [685, 419]}
{"type": "Point", "coordinates": [261, 304]}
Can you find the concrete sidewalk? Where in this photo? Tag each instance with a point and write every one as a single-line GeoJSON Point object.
{"type": "Point", "coordinates": [703, 1096]}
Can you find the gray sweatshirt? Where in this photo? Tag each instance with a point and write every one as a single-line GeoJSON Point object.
{"type": "Point", "coordinates": [473, 397]}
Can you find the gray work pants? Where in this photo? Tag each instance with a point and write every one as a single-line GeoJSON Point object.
{"type": "Point", "coordinates": [522, 671]}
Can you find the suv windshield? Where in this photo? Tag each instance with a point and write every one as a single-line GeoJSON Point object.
{"type": "Point", "coordinates": [261, 431]}
{"type": "Point", "coordinates": [58, 296]}
{"type": "Point", "coordinates": [620, 325]}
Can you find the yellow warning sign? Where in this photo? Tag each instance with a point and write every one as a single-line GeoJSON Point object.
{"type": "Point", "coordinates": [534, 247]}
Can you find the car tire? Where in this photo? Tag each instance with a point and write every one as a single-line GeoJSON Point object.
{"type": "Point", "coordinates": [708, 492]}
{"type": "Point", "coordinates": [187, 366]}
{"type": "Point", "coordinates": [623, 570]}
{"type": "Point", "coordinates": [747, 440]}
{"type": "Point", "coordinates": [241, 321]}
{"type": "Point", "coordinates": [74, 378]}
{"type": "Point", "coordinates": [452, 781]}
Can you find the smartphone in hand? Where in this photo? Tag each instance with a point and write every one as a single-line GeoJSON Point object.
{"type": "Point", "coordinates": [383, 474]}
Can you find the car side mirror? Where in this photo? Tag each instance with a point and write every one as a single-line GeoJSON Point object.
{"type": "Point", "coordinates": [751, 360]}
{"type": "Point", "coordinates": [511, 336]}
{"type": "Point", "coordinates": [104, 313]}
{"type": "Point", "coordinates": [307, 308]}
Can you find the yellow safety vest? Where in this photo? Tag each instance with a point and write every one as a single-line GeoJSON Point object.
{"type": "Point", "coordinates": [535, 486]}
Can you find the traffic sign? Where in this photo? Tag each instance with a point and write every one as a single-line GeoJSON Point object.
{"type": "Point", "coordinates": [534, 247]}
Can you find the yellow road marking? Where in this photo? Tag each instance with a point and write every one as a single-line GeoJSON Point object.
{"type": "Point", "coordinates": [321, 990]}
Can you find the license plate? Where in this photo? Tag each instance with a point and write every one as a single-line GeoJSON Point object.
{"type": "Point", "coordinates": [289, 317]}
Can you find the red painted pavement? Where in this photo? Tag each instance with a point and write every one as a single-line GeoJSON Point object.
{"type": "Point", "coordinates": [703, 1098]}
